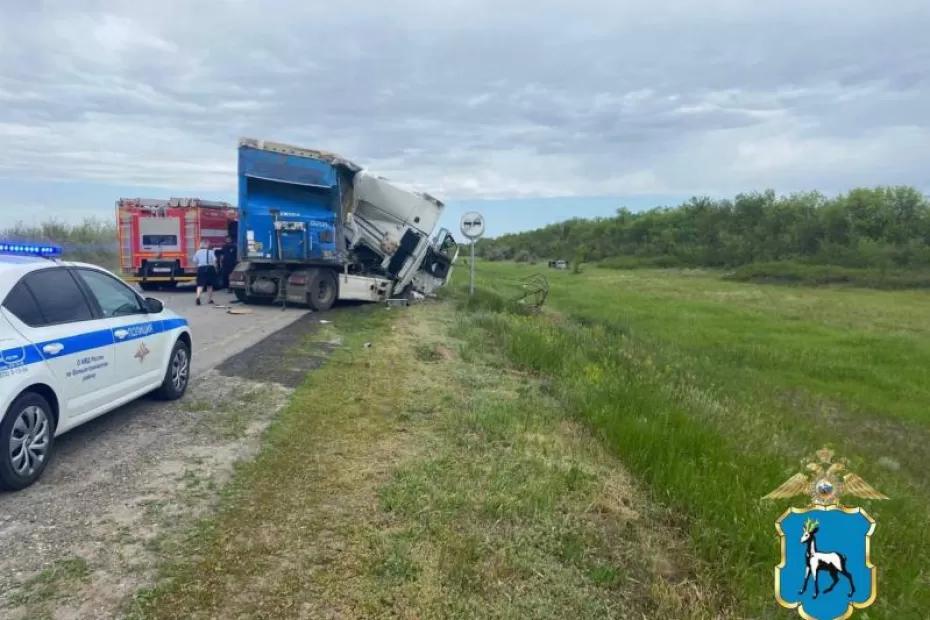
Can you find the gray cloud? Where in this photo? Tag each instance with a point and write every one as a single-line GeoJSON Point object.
{"type": "Point", "coordinates": [474, 98]}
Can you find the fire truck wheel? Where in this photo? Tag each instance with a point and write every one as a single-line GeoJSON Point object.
{"type": "Point", "coordinates": [322, 289]}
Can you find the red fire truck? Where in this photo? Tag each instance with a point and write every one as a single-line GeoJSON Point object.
{"type": "Point", "coordinates": [158, 238]}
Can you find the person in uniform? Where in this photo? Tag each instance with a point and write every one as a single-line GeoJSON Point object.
{"type": "Point", "coordinates": [227, 262]}
{"type": "Point", "coordinates": [205, 260]}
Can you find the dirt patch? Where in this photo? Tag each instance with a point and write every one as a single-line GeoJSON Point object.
{"type": "Point", "coordinates": [285, 357]}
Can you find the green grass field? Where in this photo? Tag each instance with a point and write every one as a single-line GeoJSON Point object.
{"type": "Point", "coordinates": [712, 391]}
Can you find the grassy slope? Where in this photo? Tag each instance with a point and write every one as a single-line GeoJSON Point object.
{"type": "Point", "coordinates": [422, 477]}
{"type": "Point", "coordinates": [711, 391]}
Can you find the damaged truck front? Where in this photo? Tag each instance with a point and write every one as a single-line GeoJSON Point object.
{"type": "Point", "coordinates": [314, 228]}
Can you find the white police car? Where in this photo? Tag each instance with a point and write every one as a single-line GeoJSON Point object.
{"type": "Point", "coordinates": [75, 342]}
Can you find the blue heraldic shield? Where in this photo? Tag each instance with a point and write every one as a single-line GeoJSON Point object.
{"type": "Point", "coordinates": [825, 571]}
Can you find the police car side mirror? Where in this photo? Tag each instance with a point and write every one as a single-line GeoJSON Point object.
{"type": "Point", "coordinates": [153, 306]}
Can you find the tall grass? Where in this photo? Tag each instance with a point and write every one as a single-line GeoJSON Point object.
{"type": "Point", "coordinates": [93, 240]}
{"type": "Point", "coordinates": [708, 441]}
{"type": "Point", "coordinates": [791, 272]}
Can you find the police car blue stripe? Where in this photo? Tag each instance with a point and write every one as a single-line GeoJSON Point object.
{"type": "Point", "coordinates": [18, 356]}
{"type": "Point", "coordinates": [30, 354]}
{"type": "Point", "coordinates": [136, 330]}
{"type": "Point", "coordinates": [169, 324]}
{"type": "Point", "coordinates": [78, 343]}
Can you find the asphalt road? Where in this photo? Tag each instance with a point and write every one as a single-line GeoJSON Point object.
{"type": "Point", "coordinates": [218, 335]}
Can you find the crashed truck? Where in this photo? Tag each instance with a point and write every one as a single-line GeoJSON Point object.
{"type": "Point", "coordinates": [314, 227]}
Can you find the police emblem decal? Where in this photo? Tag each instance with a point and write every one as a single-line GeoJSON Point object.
{"type": "Point", "coordinates": [141, 352]}
{"type": "Point", "coordinates": [825, 570]}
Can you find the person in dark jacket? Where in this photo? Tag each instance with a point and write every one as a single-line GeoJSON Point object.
{"type": "Point", "coordinates": [227, 262]}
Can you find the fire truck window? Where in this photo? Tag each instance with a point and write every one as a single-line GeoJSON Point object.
{"type": "Point", "coordinates": [159, 240]}
{"type": "Point", "coordinates": [114, 297]}
{"type": "Point", "coordinates": [58, 296]}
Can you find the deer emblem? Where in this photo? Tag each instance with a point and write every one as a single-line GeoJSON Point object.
{"type": "Point", "coordinates": [817, 561]}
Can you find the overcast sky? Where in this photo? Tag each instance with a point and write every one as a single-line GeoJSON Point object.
{"type": "Point", "coordinates": [607, 103]}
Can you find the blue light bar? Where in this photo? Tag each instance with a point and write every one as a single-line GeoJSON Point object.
{"type": "Point", "coordinates": [30, 249]}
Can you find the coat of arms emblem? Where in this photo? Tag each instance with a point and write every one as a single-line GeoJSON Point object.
{"type": "Point", "coordinates": [825, 570]}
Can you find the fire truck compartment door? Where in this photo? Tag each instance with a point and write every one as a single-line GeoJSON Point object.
{"type": "Point", "coordinates": [160, 233]}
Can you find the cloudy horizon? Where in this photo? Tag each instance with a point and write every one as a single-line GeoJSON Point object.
{"type": "Point", "coordinates": [471, 101]}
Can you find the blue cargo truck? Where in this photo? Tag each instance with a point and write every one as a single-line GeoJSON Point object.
{"type": "Point", "coordinates": [314, 227]}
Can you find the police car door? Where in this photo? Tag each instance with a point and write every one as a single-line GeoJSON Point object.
{"type": "Point", "coordinates": [138, 341]}
{"type": "Point", "coordinates": [74, 343]}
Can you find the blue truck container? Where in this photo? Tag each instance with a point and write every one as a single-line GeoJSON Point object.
{"type": "Point", "coordinates": [291, 205]}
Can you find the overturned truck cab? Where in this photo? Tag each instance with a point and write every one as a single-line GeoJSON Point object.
{"type": "Point", "coordinates": [314, 227]}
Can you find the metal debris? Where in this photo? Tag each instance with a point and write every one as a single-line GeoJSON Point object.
{"type": "Point", "coordinates": [534, 290]}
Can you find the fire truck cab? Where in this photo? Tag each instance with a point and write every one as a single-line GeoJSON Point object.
{"type": "Point", "coordinates": [158, 238]}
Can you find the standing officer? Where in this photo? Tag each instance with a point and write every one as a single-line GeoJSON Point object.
{"type": "Point", "coordinates": [205, 261]}
{"type": "Point", "coordinates": [227, 262]}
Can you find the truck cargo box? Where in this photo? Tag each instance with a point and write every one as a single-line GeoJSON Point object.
{"type": "Point", "coordinates": [290, 203]}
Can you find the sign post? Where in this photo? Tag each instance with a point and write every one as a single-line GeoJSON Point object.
{"type": "Point", "coordinates": [472, 226]}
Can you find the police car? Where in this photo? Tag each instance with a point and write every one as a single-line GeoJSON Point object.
{"type": "Point", "coordinates": [75, 342]}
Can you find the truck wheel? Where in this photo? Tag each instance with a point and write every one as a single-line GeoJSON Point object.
{"type": "Point", "coordinates": [240, 295]}
{"type": "Point", "coordinates": [26, 439]}
{"type": "Point", "coordinates": [322, 289]}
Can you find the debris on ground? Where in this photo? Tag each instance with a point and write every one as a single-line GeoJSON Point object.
{"type": "Point", "coordinates": [533, 291]}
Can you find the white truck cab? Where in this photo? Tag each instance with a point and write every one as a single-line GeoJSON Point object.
{"type": "Point", "coordinates": [75, 342]}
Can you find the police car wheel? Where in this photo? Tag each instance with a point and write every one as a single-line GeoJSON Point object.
{"type": "Point", "coordinates": [177, 374]}
{"type": "Point", "coordinates": [27, 434]}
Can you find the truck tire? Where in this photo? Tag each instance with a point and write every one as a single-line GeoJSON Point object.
{"type": "Point", "coordinates": [322, 289]}
{"type": "Point", "coordinates": [28, 421]}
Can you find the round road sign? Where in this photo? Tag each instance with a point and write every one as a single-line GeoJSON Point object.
{"type": "Point", "coordinates": [472, 225]}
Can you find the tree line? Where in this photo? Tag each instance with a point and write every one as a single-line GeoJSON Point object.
{"type": "Point", "coordinates": [879, 227]}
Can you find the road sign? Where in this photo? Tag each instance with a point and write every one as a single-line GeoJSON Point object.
{"type": "Point", "coordinates": [472, 225]}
